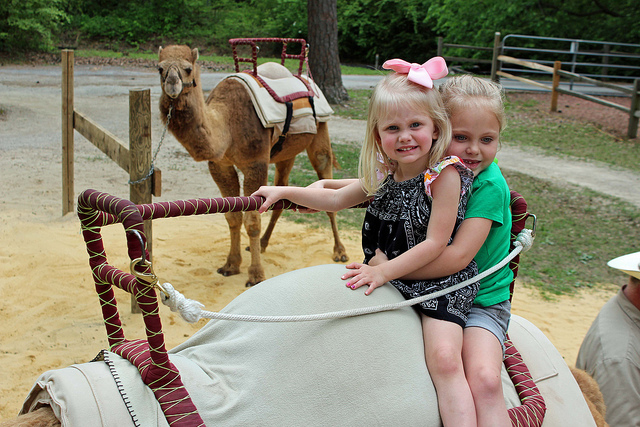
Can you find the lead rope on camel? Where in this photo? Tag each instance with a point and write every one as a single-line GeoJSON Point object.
{"type": "Point", "coordinates": [153, 160]}
{"type": "Point", "coordinates": [191, 310]}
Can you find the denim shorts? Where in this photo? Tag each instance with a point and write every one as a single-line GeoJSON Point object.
{"type": "Point", "coordinates": [494, 318]}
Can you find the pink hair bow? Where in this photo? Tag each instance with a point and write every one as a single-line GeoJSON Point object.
{"type": "Point", "coordinates": [425, 74]}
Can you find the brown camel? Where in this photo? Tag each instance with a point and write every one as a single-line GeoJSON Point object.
{"type": "Point", "coordinates": [592, 394]}
{"type": "Point", "coordinates": [226, 132]}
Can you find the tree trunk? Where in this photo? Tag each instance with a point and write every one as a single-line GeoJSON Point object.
{"type": "Point", "coordinates": [324, 59]}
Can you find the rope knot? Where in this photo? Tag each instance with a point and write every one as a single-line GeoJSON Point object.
{"type": "Point", "coordinates": [524, 240]}
{"type": "Point", "coordinates": [190, 310]}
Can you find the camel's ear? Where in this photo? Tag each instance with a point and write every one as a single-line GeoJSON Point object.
{"type": "Point", "coordinates": [159, 50]}
{"type": "Point", "coordinates": [194, 55]}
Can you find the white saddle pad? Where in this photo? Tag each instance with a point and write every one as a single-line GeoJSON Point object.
{"type": "Point", "coordinates": [273, 114]}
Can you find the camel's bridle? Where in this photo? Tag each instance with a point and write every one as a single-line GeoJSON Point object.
{"type": "Point", "coordinates": [165, 73]}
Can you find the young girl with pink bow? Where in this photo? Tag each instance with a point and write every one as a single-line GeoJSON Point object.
{"type": "Point", "coordinates": [419, 201]}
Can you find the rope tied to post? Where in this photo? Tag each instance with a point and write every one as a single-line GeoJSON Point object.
{"type": "Point", "coordinates": [153, 160]}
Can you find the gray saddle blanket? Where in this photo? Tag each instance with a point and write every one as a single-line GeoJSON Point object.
{"type": "Point", "coordinates": [359, 371]}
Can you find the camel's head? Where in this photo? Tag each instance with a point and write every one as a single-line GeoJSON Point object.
{"type": "Point", "coordinates": [178, 70]}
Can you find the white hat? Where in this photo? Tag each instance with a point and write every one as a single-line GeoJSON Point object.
{"type": "Point", "coordinates": [629, 263]}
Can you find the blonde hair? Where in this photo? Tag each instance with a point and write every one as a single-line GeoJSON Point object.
{"type": "Point", "coordinates": [392, 92]}
{"type": "Point", "coordinates": [467, 91]}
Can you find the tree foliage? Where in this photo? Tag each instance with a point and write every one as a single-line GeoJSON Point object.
{"type": "Point", "coordinates": [29, 24]}
{"type": "Point", "coordinates": [389, 28]}
{"type": "Point", "coordinates": [474, 23]}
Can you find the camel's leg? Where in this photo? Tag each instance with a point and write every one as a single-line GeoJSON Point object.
{"type": "Point", "coordinates": [283, 169]}
{"type": "Point", "coordinates": [226, 178]}
{"type": "Point", "coordinates": [255, 175]}
{"type": "Point", "coordinates": [321, 158]}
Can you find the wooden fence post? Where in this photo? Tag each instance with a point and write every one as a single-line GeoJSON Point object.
{"type": "Point", "coordinates": [556, 82]}
{"type": "Point", "coordinates": [439, 51]}
{"type": "Point", "coordinates": [495, 64]}
{"type": "Point", "coordinates": [67, 132]}
{"type": "Point", "coordinates": [140, 160]}
{"type": "Point", "coordinates": [632, 130]}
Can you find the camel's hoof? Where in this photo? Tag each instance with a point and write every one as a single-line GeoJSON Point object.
{"type": "Point", "coordinates": [225, 272]}
{"type": "Point", "coordinates": [341, 258]}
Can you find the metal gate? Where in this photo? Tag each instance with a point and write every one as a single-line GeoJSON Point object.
{"type": "Point", "coordinates": [590, 58]}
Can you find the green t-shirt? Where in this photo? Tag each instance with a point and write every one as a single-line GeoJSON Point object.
{"type": "Point", "coordinates": [490, 199]}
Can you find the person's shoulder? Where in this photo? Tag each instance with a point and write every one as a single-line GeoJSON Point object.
{"type": "Point", "coordinates": [441, 168]}
{"type": "Point", "coordinates": [453, 161]}
{"type": "Point", "coordinates": [447, 161]}
{"type": "Point", "coordinates": [492, 180]}
{"type": "Point", "coordinates": [612, 330]}
{"type": "Point", "coordinates": [492, 174]}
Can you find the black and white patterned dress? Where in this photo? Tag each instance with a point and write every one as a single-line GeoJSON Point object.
{"type": "Point", "coordinates": [397, 219]}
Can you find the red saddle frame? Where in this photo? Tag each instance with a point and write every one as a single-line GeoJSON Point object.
{"type": "Point", "coordinates": [301, 57]}
{"type": "Point", "coordinates": [97, 209]}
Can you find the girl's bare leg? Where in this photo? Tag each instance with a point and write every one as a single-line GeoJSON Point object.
{"type": "Point", "coordinates": [443, 354]}
{"type": "Point", "coordinates": [482, 356]}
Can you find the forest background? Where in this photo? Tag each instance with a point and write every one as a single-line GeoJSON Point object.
{"type": "Point", "coordinates": [366, 28]}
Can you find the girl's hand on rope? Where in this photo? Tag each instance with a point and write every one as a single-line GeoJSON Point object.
{"type": "Point", "coordinates": [363, 274]}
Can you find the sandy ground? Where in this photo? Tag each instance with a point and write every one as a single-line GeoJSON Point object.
{"type": "Point", "coordinates": [49, 311]}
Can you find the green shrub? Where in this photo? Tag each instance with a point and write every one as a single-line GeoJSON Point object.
{"type": "Point", "coordinates": [30, 24]}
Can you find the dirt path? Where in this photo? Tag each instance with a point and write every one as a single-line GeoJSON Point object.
{"type": "Point", "coordinates": [49, 311]}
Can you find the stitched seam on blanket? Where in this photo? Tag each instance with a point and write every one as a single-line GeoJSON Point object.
{"type": "Point", "coordinates": [123, 394]}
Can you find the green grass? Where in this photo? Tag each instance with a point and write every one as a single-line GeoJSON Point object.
{"type": "Point", "coordinates": [578, 231]}
{"type": "Point", "coordinates": [554, 135]}
{"type": "Point", "coordinates": [355, 107]}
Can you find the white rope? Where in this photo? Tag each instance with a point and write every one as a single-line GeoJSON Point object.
{"type": "Point", "coordinates": [191, 310]}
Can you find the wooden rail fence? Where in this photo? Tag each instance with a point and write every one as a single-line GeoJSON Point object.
{"type": "Point", "coordinates": [136, 160]}
{"type": "Point", "coordinates": [496, 49]}
{"type": "Point", "coordinates": [556, 71]}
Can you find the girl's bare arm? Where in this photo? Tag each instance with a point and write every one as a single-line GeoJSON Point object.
{"type": "Point", "coordinates": [446, 196]}
{"type": "Point", "coordinates": [321, 199]}
{"type": "Point", "coordinates": [335, 184]}
{"type": "Point", "coordinates": [469, 238]}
